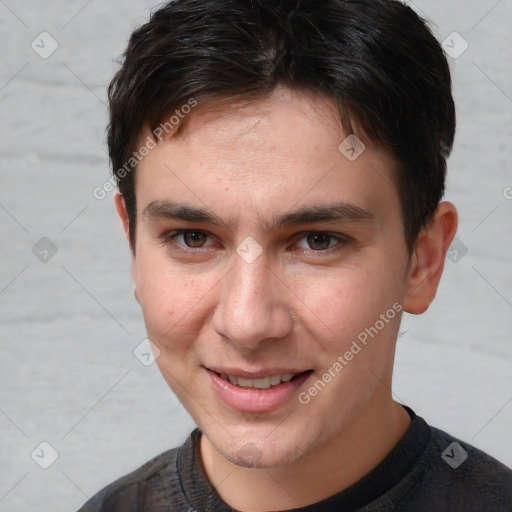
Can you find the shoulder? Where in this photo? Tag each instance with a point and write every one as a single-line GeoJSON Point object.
{"type": "Point", "coordinates": [150, 485]}
{"type": "Point", "coordinates": [457, 454]}
{"type": "Point", "coordinates": [457, 476]}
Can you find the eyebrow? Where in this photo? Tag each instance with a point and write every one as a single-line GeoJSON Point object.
{"type": "Point", "coordinates": [337, 212]}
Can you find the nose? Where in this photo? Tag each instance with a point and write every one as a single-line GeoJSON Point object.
{"type": "Point", "coordinates": [253, 306]}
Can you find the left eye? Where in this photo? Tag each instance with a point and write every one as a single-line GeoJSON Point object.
{"type": "Point", "coordinates": [193, 239]}
{"type": "Point", "coordinates": [319, 241]}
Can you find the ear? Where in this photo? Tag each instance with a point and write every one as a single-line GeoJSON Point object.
{"type": "Point", "coordinates": [427, 262]}
{"type": "Point", "coordinates": [123, 215]}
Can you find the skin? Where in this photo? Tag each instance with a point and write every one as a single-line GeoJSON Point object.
{"type": "Point", "coordinates": [300, 304]}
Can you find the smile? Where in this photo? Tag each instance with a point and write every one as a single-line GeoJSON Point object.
{"type": "Point", "coordinates": [260, 393]}
{"type": "Point", "coordinates": [263, 383]}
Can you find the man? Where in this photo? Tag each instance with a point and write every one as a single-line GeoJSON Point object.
{"type": "Point", "coordinates": [281, 165]}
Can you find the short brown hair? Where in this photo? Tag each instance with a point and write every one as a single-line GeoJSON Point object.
{"type": "Point", "coordinates": [377, 59]}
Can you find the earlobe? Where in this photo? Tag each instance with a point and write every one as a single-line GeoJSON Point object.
{"type": "Point", "coordinates": [427, 262]}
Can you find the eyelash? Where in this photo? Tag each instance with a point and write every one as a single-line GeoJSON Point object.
{"type": "Point", "coordinates": [342, 241]}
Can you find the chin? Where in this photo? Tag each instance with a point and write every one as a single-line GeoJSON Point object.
{"type": "Point", "coordinates": [262, 454]}
{"type": "Point", "coordinates": [249, 457]}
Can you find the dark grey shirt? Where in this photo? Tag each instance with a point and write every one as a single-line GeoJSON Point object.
{"type": "Point", "coordinates": [427, 471]}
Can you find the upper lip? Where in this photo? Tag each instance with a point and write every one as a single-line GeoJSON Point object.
{"type": "Point", "coordinates": [260, 374]}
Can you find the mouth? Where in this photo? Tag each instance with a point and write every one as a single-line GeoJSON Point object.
{"type": "Point", "coordinates": [257, 392]}
{"type": "Point", "coordinates": [262, 382]}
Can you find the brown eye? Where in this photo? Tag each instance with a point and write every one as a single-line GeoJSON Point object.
{"type": "Point", "coordinates": [194, 238]}
{"type": "Point", "coordinates": [319, 241]}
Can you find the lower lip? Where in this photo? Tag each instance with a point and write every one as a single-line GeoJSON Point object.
{"type": "Point", "coordinates": [256, 400]}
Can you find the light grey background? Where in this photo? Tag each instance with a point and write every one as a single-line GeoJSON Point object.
{"type": "Point", "coordinates": [69, 326]}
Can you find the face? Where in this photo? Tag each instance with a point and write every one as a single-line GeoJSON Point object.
{"type": "Point", "coordinates": [263, 252]}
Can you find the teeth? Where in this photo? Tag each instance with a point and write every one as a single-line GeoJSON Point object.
{"type": "Point", "coordinates": [261, 383]}
{"type": "Point", "coordinates": [275, 380]}
{"type": "Point", "coordinates": [245, 383]}
{"type": "Point", "coordinates": [264, 383]}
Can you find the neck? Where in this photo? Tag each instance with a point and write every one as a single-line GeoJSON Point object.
{"type": "Point", "coordinates": [328, 470]}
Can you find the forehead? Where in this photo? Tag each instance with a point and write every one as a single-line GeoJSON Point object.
{"type": "Point", "coordinates": [266, 154]}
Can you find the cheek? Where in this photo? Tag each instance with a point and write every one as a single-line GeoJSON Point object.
{"type": "Point", "coordinates": [172, 301]}
{"type": "Point", "coordinates": [355, 305]}
{"type": "Point", "coordinates": [342, 299]}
